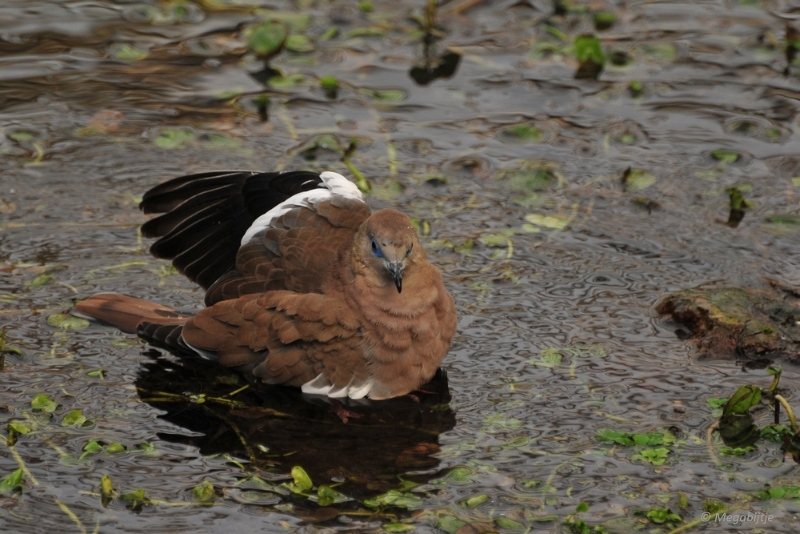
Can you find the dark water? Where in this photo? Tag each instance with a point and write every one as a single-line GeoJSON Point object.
{"type": "Point", "coordinates": [99, 101]}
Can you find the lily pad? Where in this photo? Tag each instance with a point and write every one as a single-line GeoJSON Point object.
{"type": "Point", "coordinates": [203, 492]}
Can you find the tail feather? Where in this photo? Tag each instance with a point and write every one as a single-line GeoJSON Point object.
{"type": "Point", "coordinates": [127, 313]}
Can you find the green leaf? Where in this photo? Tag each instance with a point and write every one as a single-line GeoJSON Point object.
{"type": "Point", "coordinates": [42, 402]}
{"type": "Point", "coordinates": [203, 492]}
{"type": "Point", "coordinates": [460, 475]}
{"type": "Point", "coordinates": [547, 221]}
{"type": "Point", "coordinates": [301, 479]}
{"type": "Point", "coordinates": [621, 438]}
{"type": "Point", "coordinates": [540, 179]}
{"type": "Point", "coordinates": [717, 402]}
{"type": "Point", "coordinates": [745, 398]}
{"type": "Point", "coordinates": [775, 432]}
{"type": "Point", "coordinates": [524, 132]}
{"type": "Point", "coordinates": [114, 448]}
{"type": "Point", "coordinates": [267, 38]}
{"type": "Point", "coordinates": [657, 456]}
{"type": "Point", "coordinates": [286, 82]}
{"type": "Point", "coordinates": [662, 515]}
{"type": "Point", "coordinates": [725, 156]}
{"type": "Point", "coordinates": [509, 524]}
{"type": "Point", "coordinates": [11, 482]}
{"type": "Point", "coordinates": [98, 373]}
{"type": "Point", "coordinates": [398, 527]}
{"type": "Point", "coordinates": [299, 43]}
{"type": "Point", "coordinates": [130, 53]}
{"type": "Point", "coordinates": [638, 179]}
{"type": "Point", "coordinates": [135, 499]}
{"type": "Point", "coordinates": [73, 418]}
{"type": "Point", "coordinates": [67, 322]}
{"type": "Point", "coordinates": [327, 496]}
{"type": "Point", "coordinates": [91, 447]}
{"type": "Point", "coordinates": [550, 358]}
{"type": "Point", "coordinates": [449, 523]}
{"type": "Point", "coordinates": [780, 492]}
{"type": "Point", "coordinates": [474, 502]}
{"type": "Point", "coordinates": [736, 451]}
{"type": "Point", "coordinates": [329, 83]}
{"type": "Point", "coordinates": [171, 139]}
{"type": "Point", "coordinates": [106, 488]}
{"type": "Point", "coordinates": [396, 499]}
{"type": "Point", "coordinates": [587, 48]}
{"type": "Point", "coordinates": [583, 506]}
{"type": "Point", "coordinates": [18, 427]}
{"type": "Point", "coordinates": [42, 279]}
{"type": "Point", "coordinates": [21, 137]}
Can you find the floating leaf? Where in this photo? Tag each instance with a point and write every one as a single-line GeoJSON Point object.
{"type": "Point", "coordinates": [387, 96]}
{"type": "Point", "coordinates": [42, 402]}
{"type": "Point", "coordinates": [775, 432]}
{"type": "Point", "coordinates": [98, 373]}
{"type": "Point", "coordinates": [583, 506]}
{"type": "Point", "coordinates": [203, 492]}
{"type": "Point", "coordinates": [130, 53]}
{"type": "Point", "coordinates": [524, 132]}
{"type": "Point", "coordinates": [395, 498]}
{"type": "Point", "coordinates": [725, 156]}
{"type": "Point", "coordinates": [656, 456]}
{"type": "Point", "coordinates": [19, 427]}
{"type": "Point", "coordinates": [637, 179]}
{"type": "Point", "coordinates": [74, 418]}
{"type": "Point", "coordinates": [267, 39]}
{"type": "Point", "coordinates": [113, 448]}
{"type": "Point", "coordinates": [509, 524]}
{"type": "Point", "coordinates": [171, 139]}
{"type": "Point", "coordinates": [327, 496]}
{"type": "Point", "coordinates": [329, 83]}
{"type": "Point", "coordinates": [299, 43]}
{"type": "Point", "coordinates": [301, 479]}
{"type": "Point", "coordinates": [548, 221]}
{"type": "Point", "coordinates": [662, 515]}
{"type": "Point", "coordinates": [21, 137]}
{"type": "Point", "coordinates": [398, 527]}
{"type": "Point", "coordinates": [716, 404]}
{"type": "Point", "coordinates": [781, 492]}
{"type": "Point", "coordinates": [11, 482]}
{"type": "Point", "coordinates": [475, 501]}
{"type": "Point", "coordinates": [67, 322]}
{"type": "Point", "coordinates": [549, 358]}
{"type": "Point", "coordinates": [736, 451]}
{"type": "Point", "coordinates": [135, 499]}
{"type": "Point", "coordinates": [590, 56]}
{"type": "Point", "coordinates": [745, 398]}
{"type": "Point", "coordinates": [449, 523]}
{"type": "Point", "coordinates": [286, 82]}
{"type": "Point", "coordinates": [106, 489]}
{"type": "Point", "coordinates": [40, 280]}
{"type": "Point", "coordinates": [297, 22]}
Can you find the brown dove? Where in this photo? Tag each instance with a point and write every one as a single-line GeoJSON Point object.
{"type": "Point", "coordinates": [305, 286]}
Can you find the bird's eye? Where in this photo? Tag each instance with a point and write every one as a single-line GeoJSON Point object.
{"type": "Point", "coordinates": [408, 253]}
{"type": "Point", "coordinates": [376, 250]}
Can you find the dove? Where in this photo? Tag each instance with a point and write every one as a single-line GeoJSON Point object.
{"type": "Point", "coordinates": [305, 285]}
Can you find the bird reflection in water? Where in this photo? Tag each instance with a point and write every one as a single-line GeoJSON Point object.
{"type": "Point", "coordinates": [367, 445]}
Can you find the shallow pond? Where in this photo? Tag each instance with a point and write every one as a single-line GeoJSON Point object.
{"type": "Point", "coordinates": [513, 169]}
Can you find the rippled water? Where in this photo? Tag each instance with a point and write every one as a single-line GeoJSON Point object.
{"type": "Point", "coordinates": [99, 101]}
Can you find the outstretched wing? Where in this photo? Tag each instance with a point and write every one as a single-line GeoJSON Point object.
{"type": "Point", "coordinates": [206, 215]}
{"type": "Point", "coordinates": [294, 245]}
{"type": "Point", "coordinates": [238, 233]}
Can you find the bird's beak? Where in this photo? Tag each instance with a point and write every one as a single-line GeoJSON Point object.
{"type": "Point", "coordinates": [396, 270]}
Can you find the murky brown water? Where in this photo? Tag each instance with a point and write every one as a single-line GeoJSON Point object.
{"type": "Point", "coordinates": [99, 101]}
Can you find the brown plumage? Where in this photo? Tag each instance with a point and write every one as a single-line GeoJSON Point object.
{"type": "Point", "coordinates": [321, 294]}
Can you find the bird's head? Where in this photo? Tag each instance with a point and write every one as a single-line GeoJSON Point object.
{"type": "Point", "coordinates": [388, 246]}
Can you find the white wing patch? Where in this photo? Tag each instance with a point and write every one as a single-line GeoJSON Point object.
{"type": "Point", "coordinates": [321, 386]}
{"type": "Point", "coordinates": [333, 184]}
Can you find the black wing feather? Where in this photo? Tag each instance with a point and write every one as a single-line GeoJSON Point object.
{"type": "Point", "coordinates": [206, 215]}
